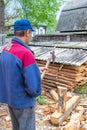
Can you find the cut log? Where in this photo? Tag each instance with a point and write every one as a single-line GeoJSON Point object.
{"type": "Point", "coordinates": [54, 117]}
{"type": "Point", "coordinates": [54, 95]}
{"type": "Point", "coordinates": [62, 97]}
{"type": "Point", "coordinates": [69, 95]}
{"type": "Point", "coordinates": [70, 105]}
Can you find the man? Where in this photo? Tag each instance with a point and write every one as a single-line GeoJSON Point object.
{"type": "Point", "coordinates": [20, 79]}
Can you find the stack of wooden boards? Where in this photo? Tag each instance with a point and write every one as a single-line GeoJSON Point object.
{"type": "Point", "coordinates": [64, 75]}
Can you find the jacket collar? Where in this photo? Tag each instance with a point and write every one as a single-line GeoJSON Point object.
{"type": "Point", "coordinates": [19, 41]}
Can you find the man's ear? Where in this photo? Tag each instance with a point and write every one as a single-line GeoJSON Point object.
{"type": "Point", "coordinates": [29, 31]}
{"type": "Point", "coordinates": [26, 32]}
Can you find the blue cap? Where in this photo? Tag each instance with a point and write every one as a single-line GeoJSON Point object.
{"type": "Point", "coordinates": [23, 24]}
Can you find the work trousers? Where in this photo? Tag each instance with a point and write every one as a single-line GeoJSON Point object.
{"type": "Point", "coordinates": [22, 119]}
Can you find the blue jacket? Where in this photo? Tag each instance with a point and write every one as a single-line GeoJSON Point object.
{"type": "Point", "coordinates": [20, 79]}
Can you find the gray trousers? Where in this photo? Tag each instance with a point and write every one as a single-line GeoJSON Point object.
{"type": "Point", "coordinates": [22, 119]}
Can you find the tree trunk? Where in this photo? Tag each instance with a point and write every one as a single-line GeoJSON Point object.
{"type": "Point", "coordinates": [2, 6]}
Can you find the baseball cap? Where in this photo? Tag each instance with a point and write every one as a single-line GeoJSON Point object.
{"type": "Point", "coordinates": [23, 24]}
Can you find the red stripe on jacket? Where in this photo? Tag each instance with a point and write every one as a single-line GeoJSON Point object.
{"type": "Point", "coordinates": [24, 54]}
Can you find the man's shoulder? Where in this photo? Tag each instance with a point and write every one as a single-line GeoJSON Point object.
{"type": "Point", "coordinates": [20, 48]}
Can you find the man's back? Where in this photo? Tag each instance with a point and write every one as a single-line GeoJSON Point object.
{"type": "Point", "coordinates": [18, 84]}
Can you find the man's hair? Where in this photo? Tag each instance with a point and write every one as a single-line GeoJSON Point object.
{"type": "Point", "coordinates": [19, 33]}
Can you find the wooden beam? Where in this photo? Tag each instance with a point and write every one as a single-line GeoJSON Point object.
{"type": "Point", "coordinates": [62, 97]}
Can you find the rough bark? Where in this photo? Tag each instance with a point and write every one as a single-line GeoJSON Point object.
{"type": "Point", "coordinates": [2, 6]}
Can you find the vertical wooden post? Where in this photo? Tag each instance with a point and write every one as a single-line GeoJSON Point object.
{"type": "Point", "coordinates": [62, 96]}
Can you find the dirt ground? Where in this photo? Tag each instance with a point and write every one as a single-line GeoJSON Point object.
{"type": "Point", "coordinates": [42, 116]}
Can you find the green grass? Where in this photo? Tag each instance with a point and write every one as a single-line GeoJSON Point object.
{"type": "Point", "coordinates": [81, 89]}
{"type": "Point", "coordinates": [42, 100]}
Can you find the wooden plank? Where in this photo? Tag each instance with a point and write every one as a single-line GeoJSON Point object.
{"type": "Point", "coordinates": [62, 97]}
{"type": "Point", "coordinates": [46, 66]}
{"type": "Point", "coordinates": [62, 76]}
{"type": "Point", "coordinates": [69, 76]}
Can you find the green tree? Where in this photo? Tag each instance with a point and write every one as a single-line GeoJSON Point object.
{"type": "Point", "coordinates": [38, 11]}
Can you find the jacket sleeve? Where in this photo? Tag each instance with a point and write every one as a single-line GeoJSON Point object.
{"type": "Point", "coordinates": [32, 76]}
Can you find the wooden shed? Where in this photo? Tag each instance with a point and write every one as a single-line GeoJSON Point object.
{"type": "Point", "coordinates": [73, 17]}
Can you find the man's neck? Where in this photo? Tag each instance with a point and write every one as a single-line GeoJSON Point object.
{"type": "Point", "coordinates": [22, 39]}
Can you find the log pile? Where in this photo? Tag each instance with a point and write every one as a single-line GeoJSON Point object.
{"type": "Point", "coordinates": [64, 75]}
{"type": "Point", "coordinates": [57, 118]}
{"type": "Point", "coordinates": [73, 118]}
